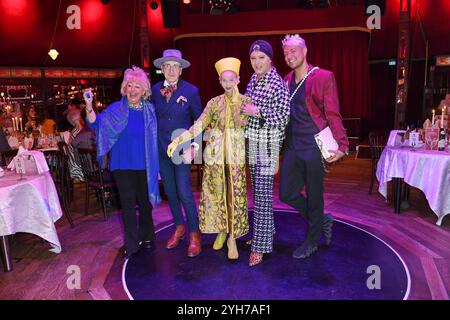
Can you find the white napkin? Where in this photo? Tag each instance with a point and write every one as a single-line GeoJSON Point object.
{"type": "Point", "coordinates": [395, 138]}
{"type": "Point", "coordinates": [2, 172]}
{"type": "Point", "coordinates": [38, 156]}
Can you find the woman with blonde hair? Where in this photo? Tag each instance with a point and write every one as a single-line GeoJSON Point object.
{"type": "Point", "coordinates": [128, 130]}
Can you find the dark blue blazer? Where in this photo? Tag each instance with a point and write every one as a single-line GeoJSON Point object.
{"type": "Point", "coordinates": [172, 115]}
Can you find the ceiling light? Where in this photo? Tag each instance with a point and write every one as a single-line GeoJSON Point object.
{"type": "Point", "coordinates": [53, 54]}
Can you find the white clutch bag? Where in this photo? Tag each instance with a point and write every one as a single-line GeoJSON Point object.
{"type": "Point", "coordinates": [325, 141]}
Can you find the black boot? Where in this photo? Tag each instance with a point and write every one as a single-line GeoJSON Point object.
{"type": "Point", "coordinates": [147, 244]}
{"type": "Point", "coordinates": [305, 250]}
{"type": "Point", "coordinates": [327, 228]}
{"type": "Point", "coordinates": [128, 255]}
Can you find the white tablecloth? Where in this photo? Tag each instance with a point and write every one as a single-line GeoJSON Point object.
{"type": "Point", "coordinates": [426, 170]}
{"type": "Point", "coordinates": [30, 205]}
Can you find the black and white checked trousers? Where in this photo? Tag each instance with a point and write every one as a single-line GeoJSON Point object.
{"type": "Point", "coordinates": [263, 164]}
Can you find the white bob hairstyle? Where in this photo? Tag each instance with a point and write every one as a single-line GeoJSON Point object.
{"type": "Point", "coordinates": [136, 74]}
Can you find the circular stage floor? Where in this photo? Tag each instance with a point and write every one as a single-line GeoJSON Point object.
{"type": "Point", "coordinates": [355, 262]}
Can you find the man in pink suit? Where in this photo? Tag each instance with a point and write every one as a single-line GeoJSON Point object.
{"type": "Point", "coordinates": [314, 105]}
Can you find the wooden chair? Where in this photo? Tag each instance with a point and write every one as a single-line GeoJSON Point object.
{"type": "Point", "coordinates": [6, 156]}
{"type": "Point", "coordinates": [377, 142]}
{"type": "Point", "coordinates": [95, 177]}
{"type": "Point", "coordinates": [63, 181]}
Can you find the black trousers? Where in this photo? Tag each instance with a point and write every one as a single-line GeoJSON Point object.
{"type": "Point", "coordinates": [294, 175]}
{"type": "Point", "coordinates": [132, 186]}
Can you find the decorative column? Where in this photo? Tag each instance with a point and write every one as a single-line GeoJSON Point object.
{"type": "Point", "coordinates": [143, 35]}
{"type": "Point", "coordinates": [403, 57]}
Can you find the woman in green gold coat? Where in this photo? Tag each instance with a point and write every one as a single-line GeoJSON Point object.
{"type": "Point", "coordinates": [223, 200]}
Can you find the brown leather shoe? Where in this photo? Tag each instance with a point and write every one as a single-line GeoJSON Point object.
{"type": "Point", "coordinates": [178, 235]}
{"type": "Point", "coordinates": [195, 244]}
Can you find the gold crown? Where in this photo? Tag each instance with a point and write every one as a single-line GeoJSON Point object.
{"type": "Point", "coordinates": [294, 40]}
{"type": "Point", "coordinates": [228, 64]}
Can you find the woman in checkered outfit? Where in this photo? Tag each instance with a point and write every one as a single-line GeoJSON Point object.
{"type": "Point", "coordinates": [268, 117]}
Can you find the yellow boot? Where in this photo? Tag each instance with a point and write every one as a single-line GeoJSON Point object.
{"type": "Point", "coordinates": [232, 249]}
{"type": "Point", "coordinates": [220, 240]}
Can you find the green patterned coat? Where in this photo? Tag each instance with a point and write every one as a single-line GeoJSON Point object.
{"type": "Point", "coordinates": [223, 202]}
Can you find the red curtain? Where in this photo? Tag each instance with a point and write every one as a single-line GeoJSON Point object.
{"type": "Point", "coordinates": [344, 53]}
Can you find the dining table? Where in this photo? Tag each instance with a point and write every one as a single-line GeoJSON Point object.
{"type": "Point", "coordinates": [29, 204]}
{"type": "Point", "coordinates": [427, 170]}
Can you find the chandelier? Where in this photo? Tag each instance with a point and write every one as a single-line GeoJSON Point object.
{"type": "Point", "coordinates": [218, 7]}
{"type": "Point", "coordinates": [222, 4]}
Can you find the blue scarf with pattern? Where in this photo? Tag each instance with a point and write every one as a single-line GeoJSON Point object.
{"type": "Point", "coordinates": [110, 124]}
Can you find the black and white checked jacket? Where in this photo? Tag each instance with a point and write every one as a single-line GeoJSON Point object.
{"type": "Point", "coordinates": [271, 96]}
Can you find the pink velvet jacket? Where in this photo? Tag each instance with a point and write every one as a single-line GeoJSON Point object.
{"type": "Point", "coordinates": [322, 101]}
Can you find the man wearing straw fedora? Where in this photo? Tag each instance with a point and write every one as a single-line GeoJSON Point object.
{"type": "Point", "coordinates": [177, 104]}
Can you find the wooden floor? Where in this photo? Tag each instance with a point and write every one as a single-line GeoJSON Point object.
{"type": "Point", "coordinates": [95, 245]}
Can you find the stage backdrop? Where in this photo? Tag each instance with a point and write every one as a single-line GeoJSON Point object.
{"type": "Point", "coordinates": [343, 52]}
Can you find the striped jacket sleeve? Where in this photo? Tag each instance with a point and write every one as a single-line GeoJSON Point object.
{"type": "Point", "coordinates": [277, 113]}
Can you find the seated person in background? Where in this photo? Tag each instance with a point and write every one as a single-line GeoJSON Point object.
{"type": "Point", "coordinates": [74, 117]}
{"type": "Point", "coordinates": [63, 123]}
{"type": "Point", "coordinates": [48, 124]}
{"type": "Point", "coordinates": [83, 136]}
{"type": "Point", "coordinates": [73, 105]}
{"type": "Point", "coordinates": [31, 119]}
{"type": "Point", "coordinates": [63, 127]}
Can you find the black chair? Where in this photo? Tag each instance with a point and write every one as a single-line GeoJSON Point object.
{"type": "Point", "coordinates": [95, 178]}
{"type": "Point", "coordinates": [6, 156]}
{"type": "Point", "coordinates": [377, 142]}
{"type": "Point", "coordinates": [354, 130]}
{"type": "Point", "coordinates": [63, 181]}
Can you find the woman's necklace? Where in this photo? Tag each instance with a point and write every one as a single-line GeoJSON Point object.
{"type": "Point", "coordinates": [137, 107]}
